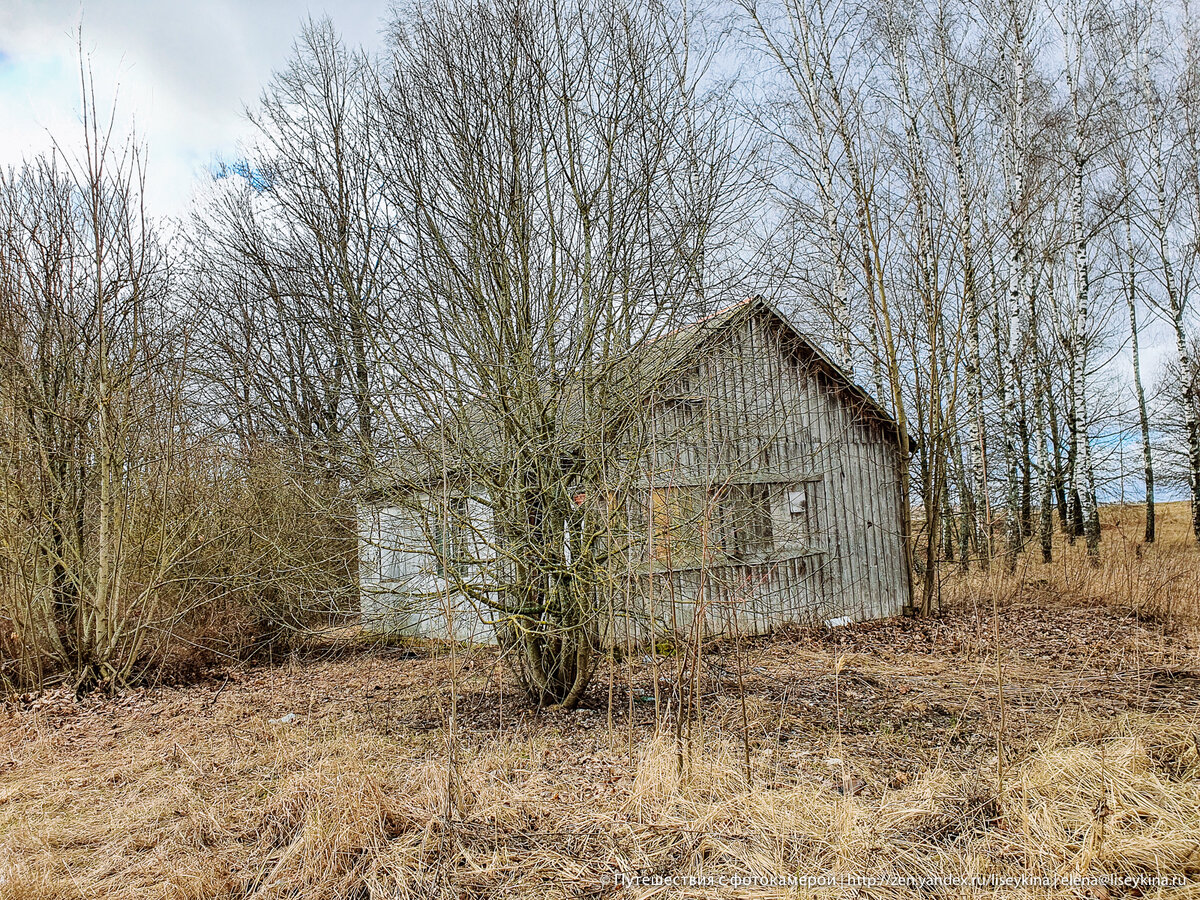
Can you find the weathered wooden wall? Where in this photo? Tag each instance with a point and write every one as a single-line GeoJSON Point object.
{"type": "Point", "coordinates": [401, 591]}
{"type": "Point", "coordinates": [791, 491]}
{"type": "Point", "coordinates": [759, 410]}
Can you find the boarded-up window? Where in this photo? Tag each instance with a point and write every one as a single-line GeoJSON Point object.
{"type": "Point", "coordinates": [746, 518]}
{"type": "Point", "coordinates": [678, 522]}
{"type": "Point", "coordinates": [734, 521]}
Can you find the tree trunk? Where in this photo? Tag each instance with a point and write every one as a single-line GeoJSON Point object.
{"type": "Point", "coordinates": [1139, 391]}
{"type": "Point", "coordinates": [1091, 519]}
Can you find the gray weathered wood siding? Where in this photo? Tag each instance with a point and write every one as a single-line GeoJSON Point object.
{"type": "Point", "coordinates": [759, 410]}
{"type": "Point", "coordinates": [401, 590]}
{"type": "Point", "coordinates": [792, 478]}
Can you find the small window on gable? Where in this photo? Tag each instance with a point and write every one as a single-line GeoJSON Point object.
{"type": "Point", "coordinates": [682, 414]}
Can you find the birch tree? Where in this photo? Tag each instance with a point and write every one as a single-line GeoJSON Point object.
{"type": "Point", "coordinates": [1083, 474]}
{"type": "Point", "coordinates": [1174, 210]}
{"type": "Point", "coordinates": [953, 105]}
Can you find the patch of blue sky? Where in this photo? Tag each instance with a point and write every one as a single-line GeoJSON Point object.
{"type": "Point", "coordinates": [256, 178]}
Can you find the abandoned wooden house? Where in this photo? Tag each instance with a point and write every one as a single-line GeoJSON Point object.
{"type": "Point", "coordinates": [767, 492]}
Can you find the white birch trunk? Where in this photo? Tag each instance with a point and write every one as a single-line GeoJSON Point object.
{"type": "Point", "coordinates": [1175, 302]}
{"type": "Point", "coordinates": [1083, 478]}
{"type": "Point", "coordinates": [1139, 391]}
{"type": "Point", "coordinates": [1017, 262]}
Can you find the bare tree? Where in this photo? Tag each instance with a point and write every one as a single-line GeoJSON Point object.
{"type": "Point", "coordinates": [293, 253]}
{"type": "Point", "coordinates": [90, 388]}
{"type": "Point", "coordinates": [827, 61]}
{"type": "Point", "coordinates": [562, 181]}
{"type": "Point", "coordinates": [1171, 148]}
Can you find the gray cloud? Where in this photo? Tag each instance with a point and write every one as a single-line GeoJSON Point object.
{"type": "Point", "coordinates": [181, 72]}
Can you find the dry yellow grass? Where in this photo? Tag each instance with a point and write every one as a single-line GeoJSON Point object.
{"type": "Point", "coordinates": [332, 813]}
{"type": "Point", "coordinates": [873, 753]}
{"type": "Point", "coordinates": [1159, 580]}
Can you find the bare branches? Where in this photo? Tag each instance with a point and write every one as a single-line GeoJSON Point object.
{"type": "Point", "coordinates": [90, 386]}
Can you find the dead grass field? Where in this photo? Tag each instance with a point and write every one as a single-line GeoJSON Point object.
{"type": "Point", "coordinates": [1160, 579]}
{"type": "Point", "coordinates": [876, 750]}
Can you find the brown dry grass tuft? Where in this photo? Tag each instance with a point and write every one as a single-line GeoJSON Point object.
{"type": "Point", "coordinates": [330, 813]}
{"type": "Point", "coordinates": [1126, 804]}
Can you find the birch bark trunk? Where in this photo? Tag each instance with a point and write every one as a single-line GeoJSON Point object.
{"type": "Point", "coordinates": [1017, 262]}
{"type": "Point", "coordinates": [1073, 42]}
{"type": "Point", "coordinates": [1175, 303]}
{"type": "Point", "coordinates": [1139, 391]}
{"type": "Point", "coordinates": [972, 365]}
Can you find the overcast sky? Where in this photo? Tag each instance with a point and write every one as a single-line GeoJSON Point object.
{"type": "Point", "coordinates": [181, 70]}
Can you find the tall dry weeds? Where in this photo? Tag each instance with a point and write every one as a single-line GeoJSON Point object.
{"type": "Point", "coordinates": [331, 813]}
{"type": "Point", "coordinates": [1159, 581]}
